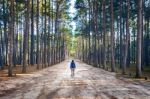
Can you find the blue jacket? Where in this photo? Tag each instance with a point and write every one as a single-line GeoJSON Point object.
{"type": "Point", "coordinates": [72, 65]}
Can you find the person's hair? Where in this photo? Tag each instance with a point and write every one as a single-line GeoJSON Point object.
{"type": "Point", "coordinates": [72, 60]}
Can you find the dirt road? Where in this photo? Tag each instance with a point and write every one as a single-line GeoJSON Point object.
{"type": "Point", "coordinates": [56, 83]}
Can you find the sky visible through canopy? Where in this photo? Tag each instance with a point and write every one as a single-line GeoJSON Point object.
{"type": "Point", "coordinates": [72, 11]}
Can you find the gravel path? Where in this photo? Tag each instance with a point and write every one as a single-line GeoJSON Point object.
{"type": "Point", "coordinates": [56, 83]}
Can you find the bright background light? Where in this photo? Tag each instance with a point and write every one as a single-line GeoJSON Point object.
{"type": "Point", "coordinates": [72, 11]}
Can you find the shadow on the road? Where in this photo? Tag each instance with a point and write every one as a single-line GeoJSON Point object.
{"type": "Point", "coordinates": [4, 93]}
{"type": "Point", "coordinates": [53, 93]}
{"type": "Point", "coordinates": [110, 96]}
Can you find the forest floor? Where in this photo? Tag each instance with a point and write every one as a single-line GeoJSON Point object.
{"type": "Point", "coordinates": [89, 82]}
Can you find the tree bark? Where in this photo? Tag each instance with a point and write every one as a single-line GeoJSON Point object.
{"type": "Point", "coordinates": [10, 37]}
{"type": "Point", "coordinates": [38, 41]}
{"type": "Point", "coordinates": [26, 36]}
{"type": "Point", "coordinates": [126, 41]}
{"type": "Point", "coordinates": [89, 35]}
{"type": "Point", "coordinates": [121, 35]}
{"type": "Point", "coordinates": [104, 33]}
{"type": "Point", "coordinates": [32, 35]}
{"type": "Point", "coordinates": [49, 36]}
{"type": "Point", "coordinates": [45, 36]}
{"type": "Point", "coordinates": [139, 40]}
{"type": "Point", "coordinates": [112, 38]}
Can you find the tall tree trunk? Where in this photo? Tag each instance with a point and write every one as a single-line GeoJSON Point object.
{"type": "Point", "coordinates": [1, 48]}
{"type": "Point", "coordinates": [56, 30]}
{"type": "Point", "coordinates": [10, 37]}
{"type": "Point", "coordinates": [129, 53]}
{"type": "Point", "coordinates": [121, 34]}
{"type": "Point", "coordinates": [142, 39]}
{"type": "Point", "coordinates": [112, 38]}
{"type": "Point", "coordinates": [26, 35]}
{"type": "Point", "coordinates": [89, 35]}
{"type": "Point", "coordinates": [127, 40]}
{"type": "Point", "coordinates": [53, 36]}
{"type": "Point", "coordinates": [104, 33]}
{"type": "Point", "coordinates": [147, 44]}
{"type": "Point", "coordinates": [32, 34]}
{"type": "Point", "coordinates": [42, 35]}
{"type": "Point", "coordinates": [96, 32]}
{"type": "Point", "coordinates": [38, 41]}
{"type": "Point", "coordinates": [148, 33]}
{"type": "Point", "coordinates": [16, 36]}
{"type": "Point", "coordinates": [139, 40]}
{"type": "Point", "coordinates": [49, 36]}
{"type": "Point", "coordinates": [82, 47]}
{"type": "Point", "coordinates": [45, 37]}
{"type": "Point", "coordinates": [134, 47]}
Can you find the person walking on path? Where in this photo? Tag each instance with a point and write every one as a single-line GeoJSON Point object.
{"type": "Point", "coordinates": [72, 67]}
